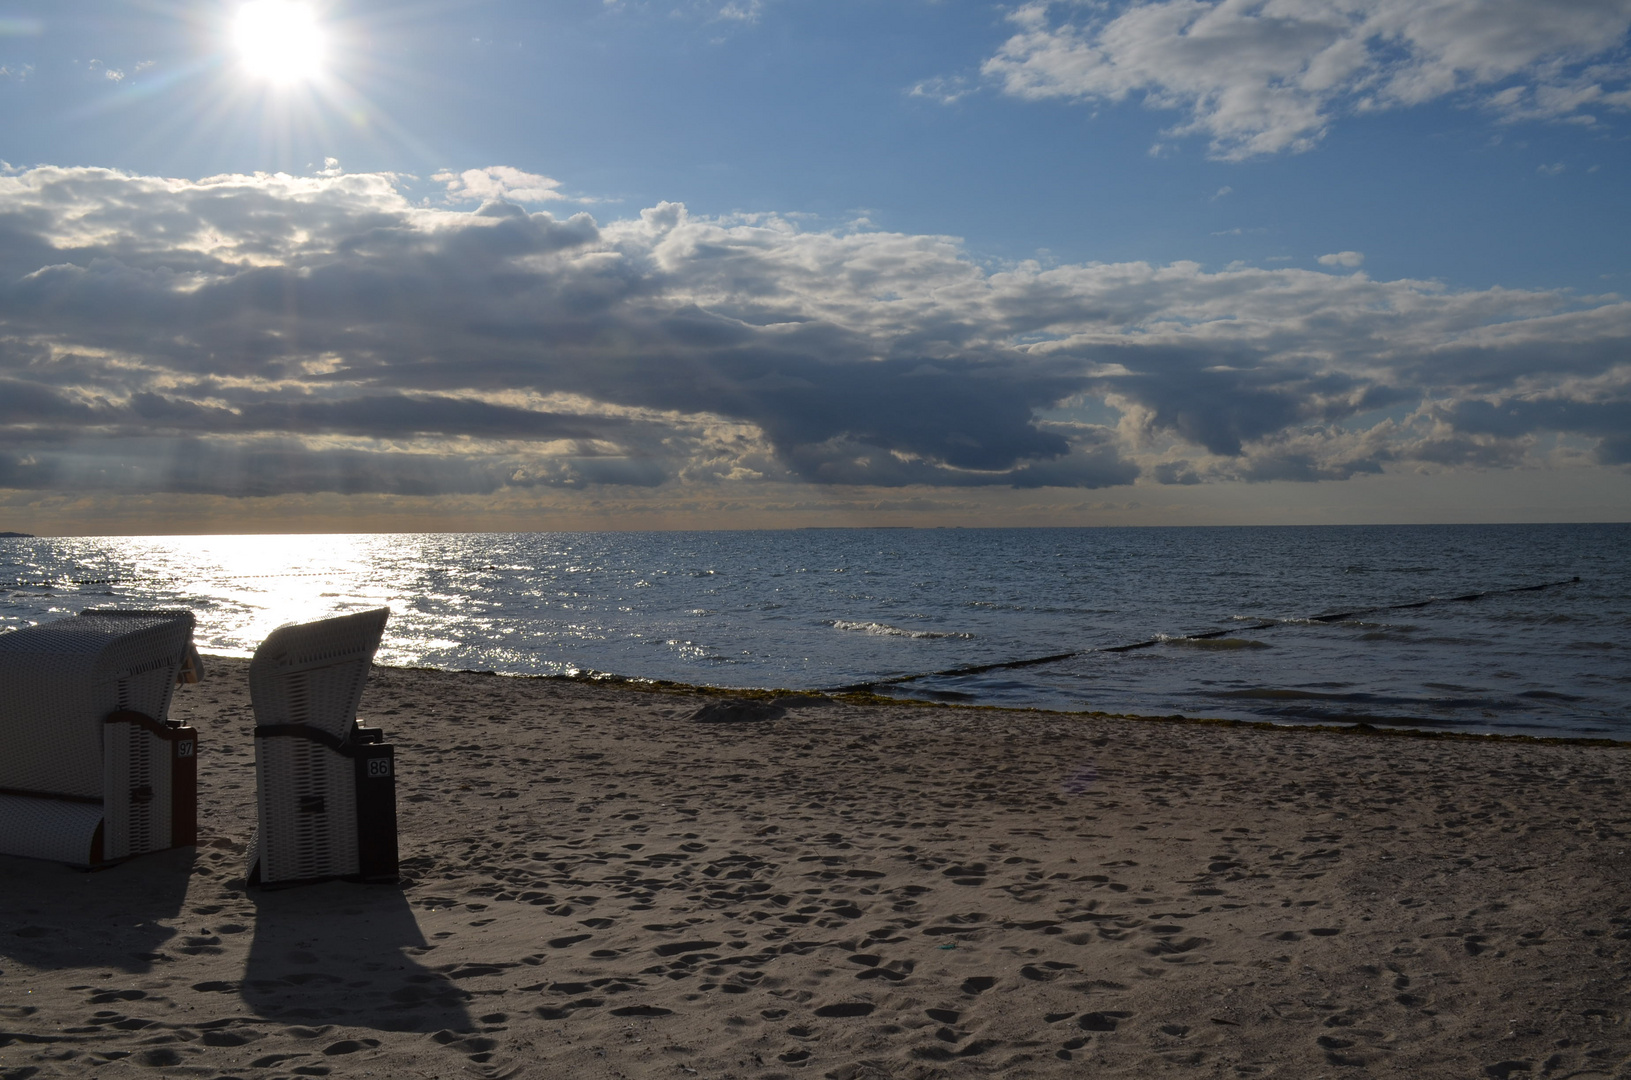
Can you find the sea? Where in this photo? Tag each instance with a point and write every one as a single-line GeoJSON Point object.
{"type": "Point", "coordinates": [1495, 629]}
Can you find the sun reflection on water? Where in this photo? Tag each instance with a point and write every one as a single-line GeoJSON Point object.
{"type": "Point", "coordinates": [258, 583]}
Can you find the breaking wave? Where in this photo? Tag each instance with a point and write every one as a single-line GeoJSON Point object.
{"type": "Point", "coordinates": [885, 630]}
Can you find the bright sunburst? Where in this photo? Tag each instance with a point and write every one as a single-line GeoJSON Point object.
{"type": "Point", "coordinates": [279, 40]}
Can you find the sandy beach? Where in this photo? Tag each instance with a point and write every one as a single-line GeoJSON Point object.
{"type": "Point", "coordinates": [599, 884]}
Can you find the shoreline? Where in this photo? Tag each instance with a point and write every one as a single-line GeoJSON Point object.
{"type": "Point", "coordinates": [865, 699]}
{"type": "Point", "coordinates": [597, 885]}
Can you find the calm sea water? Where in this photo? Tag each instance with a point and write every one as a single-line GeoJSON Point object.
{"type": "Point", "coordinates": [817, 609]}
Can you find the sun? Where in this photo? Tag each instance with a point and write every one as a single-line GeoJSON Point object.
{"type": "Point", "coordinates": [280, 41]}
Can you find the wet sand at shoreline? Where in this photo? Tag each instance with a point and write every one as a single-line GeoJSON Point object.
{"type": "Point", "coordinates": [598, 885]}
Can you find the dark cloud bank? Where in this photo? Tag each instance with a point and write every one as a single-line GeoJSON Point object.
{"type": "Point", "coordinates": [270, 335]}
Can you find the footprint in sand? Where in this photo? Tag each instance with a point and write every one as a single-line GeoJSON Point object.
{"type": "Point", "coordinates": [561, 1012]}
{"type": "Point", "coordinates": [271, 1060]}
{"type": "Point", "coordinates": [1050, 970]}
{"type": "Point", "coordinates": [478, 1048]}
{"type": "Point", "coordinates": [1101, 1021]}
{"type": "Point", "coordinates": [568, 941]}
{"type": "Point", "coordinates": [674, 948]}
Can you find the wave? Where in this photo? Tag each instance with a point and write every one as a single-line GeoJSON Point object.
{"type": "Point", "coordinates": [1268, 694]}
{"type": "Point", "coordinates": [1359, 624]}
{"type": "Point", "coordinates": [885, 630]}
{"type": "Point", "coordinates": [1222, 644]}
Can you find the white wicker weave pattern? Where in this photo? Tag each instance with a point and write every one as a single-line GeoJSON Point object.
{"type": "Point", "coordinates": [60, 680]}
{"type": "Point", "coordinates": [308, 821]}
{"type": "Point", "coordinates": [313, 675]}
{"type": "Point", "coordinates": [48, 829]}
{"type": "Point", "coordinates": [136, 761]}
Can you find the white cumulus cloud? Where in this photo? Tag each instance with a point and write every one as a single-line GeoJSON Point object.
{"type": "Point", "coordinates": [1265, 76]}
{"type": "Point", "coordinates": [499, 182]}
{"type": "Point", "coordinates": [1349, 259]}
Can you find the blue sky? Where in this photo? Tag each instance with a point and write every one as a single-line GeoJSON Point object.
{"type": "Point", "coordinates": [762, 262]}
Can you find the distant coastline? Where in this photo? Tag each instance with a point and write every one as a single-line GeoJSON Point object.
{"type": "Point", "coordinates": [17, 536]}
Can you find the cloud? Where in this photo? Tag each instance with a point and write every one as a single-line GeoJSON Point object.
{"type": "Point", "coordinates": [946, 90]}
{"type": "Point", "coordinates": [740, 10]}
{"type": "Point", "coordinates": [499, 182]}
{"type": "Point", "coordinates": [1175, 472]}
{"type": "Point", "coordinates": [1514, 418]}
{"type": "Point", "coordinates": [268, 334]}
{"type": "Point", "coordinates": [1348, 259]}
{"type": "Point", "coordinates": [1268, 76]}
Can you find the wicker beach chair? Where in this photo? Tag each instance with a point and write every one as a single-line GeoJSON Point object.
{"type": "Point", "coordinates": [325, 787]}
{"type": "Point", "coordinates": [91, 768]}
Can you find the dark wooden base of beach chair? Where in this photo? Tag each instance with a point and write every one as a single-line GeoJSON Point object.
{"type": "Point", "coordinates": [375, 764]}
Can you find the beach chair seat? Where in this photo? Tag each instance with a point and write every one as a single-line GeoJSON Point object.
{"type": "Point", "coordinates": [92, 770]}
{"type": "Point", "coordinates": [325, 786]}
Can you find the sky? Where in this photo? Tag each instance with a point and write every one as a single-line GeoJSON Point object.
{"type": "Point", "coordinates": [469, 265]}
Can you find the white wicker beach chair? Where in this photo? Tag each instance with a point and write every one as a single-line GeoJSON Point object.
{"type": "Point", "coordinates": [91, 768]}
{"type": "Point", "coordinates": [325, 787]}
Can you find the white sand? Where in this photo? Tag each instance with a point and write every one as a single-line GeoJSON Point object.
{"type": "Point", "coordinates": [597, 886]}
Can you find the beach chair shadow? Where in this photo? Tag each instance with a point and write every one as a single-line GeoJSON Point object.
{"type": "Point", "coordinates": [55, 918]}
{"type": "Point", "coordinates": [338, 954]}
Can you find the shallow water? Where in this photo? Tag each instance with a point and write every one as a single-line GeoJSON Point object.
{"type": "Point", "coordinates": [821, 608]}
